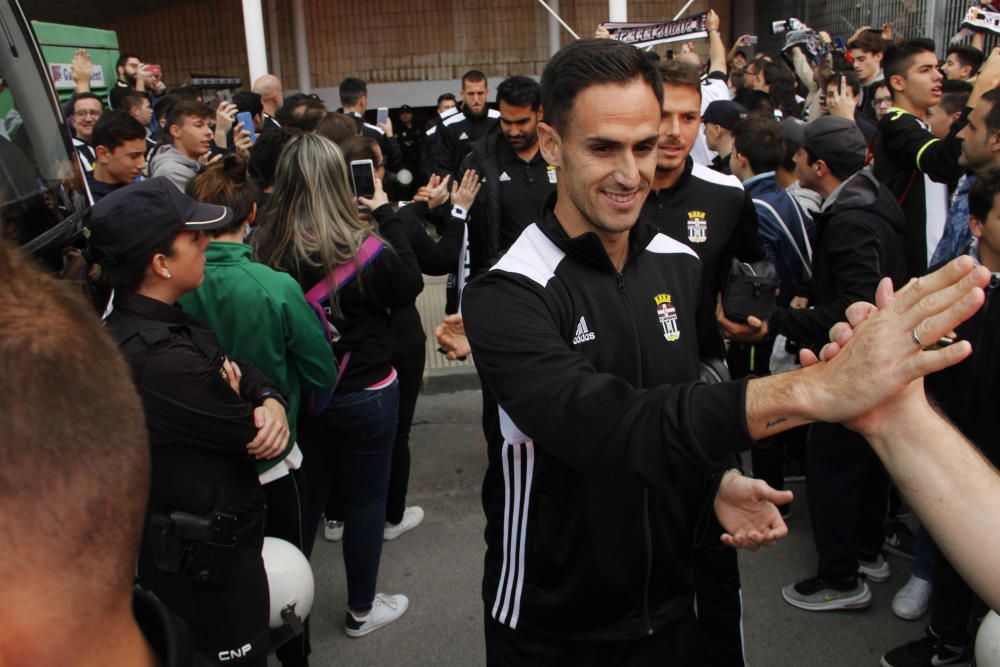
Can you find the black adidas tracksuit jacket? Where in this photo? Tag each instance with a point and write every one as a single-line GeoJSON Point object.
{"type": "Point", "coordinates": [454, 135]}
{"type": "Point", "coordinates": [605, 454]}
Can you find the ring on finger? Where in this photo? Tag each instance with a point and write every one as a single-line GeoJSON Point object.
{"type": "Point", "coordinates": [916, 338]}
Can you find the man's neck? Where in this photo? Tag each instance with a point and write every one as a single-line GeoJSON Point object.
{"type": "Point", "coordinates": [725, 147]}
{"type": "Point", "coordinates": [664, 178]}
{"type": "Point", "coordinates": [907, 105]}
{"type": "Point", "coordinates": [179, 147]}
{"type": "Point", "coordinates": [104, 176]}
{"type": "Point", "coordinates": [989, 257]}
{"type": "Point", "coordinates": [355, 111]}
{"type": "Point", "coordinates": [877, 76]}
{"type": "Point", "coordinates": [528, 153]}
{"type": "Point", "coordinates": [743, 174]}
{"type": "Point", "coordinates": [271, 109]}
{"type": "Point", "coordinates": [574, 224]}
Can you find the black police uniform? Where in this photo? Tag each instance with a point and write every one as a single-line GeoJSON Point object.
{"type": "Point", "coordinates": [201, 547]}
{"type": "Point", "coordinates": [169, 638]}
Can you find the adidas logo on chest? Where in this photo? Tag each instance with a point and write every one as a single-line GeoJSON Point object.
{"type": "Point", "coordinates": [583, 334]}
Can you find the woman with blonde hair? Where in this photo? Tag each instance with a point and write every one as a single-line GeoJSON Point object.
{"type": "Point", "coordinates": [355, 273]}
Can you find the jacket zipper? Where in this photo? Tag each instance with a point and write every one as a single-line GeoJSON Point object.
{"type": "Point", "coordinates": [647, 530]}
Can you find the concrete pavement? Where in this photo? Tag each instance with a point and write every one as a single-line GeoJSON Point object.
{"type": "Point", "coordinates": [438, 565]}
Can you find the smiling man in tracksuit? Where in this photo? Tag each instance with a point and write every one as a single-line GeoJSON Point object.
{"type": "Point", "coordinates": [604, 465]}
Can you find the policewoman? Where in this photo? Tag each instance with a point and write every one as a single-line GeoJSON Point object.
{"type": "Point", "coordinates": [209, 418]}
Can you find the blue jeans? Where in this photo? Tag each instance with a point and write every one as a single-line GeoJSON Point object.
{"type": "Point", "coordinates": [353, 441]}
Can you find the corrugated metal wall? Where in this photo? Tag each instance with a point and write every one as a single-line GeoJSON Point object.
{"type": "Point", "coordinates": [388, 41]}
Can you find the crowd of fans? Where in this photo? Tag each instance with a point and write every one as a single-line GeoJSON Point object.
{"type": "Point", "coordinates": [870, 161]}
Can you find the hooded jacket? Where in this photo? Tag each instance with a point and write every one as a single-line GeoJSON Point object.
{"type": "Point", "coordinates": [859, 241]}
{"type": "Point", "coordinates": [605, 452]}
{"type": "Point", "coordinates": [177, 167]}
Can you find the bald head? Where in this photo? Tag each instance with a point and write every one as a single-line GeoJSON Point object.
{"type": "Point", "coordinates": [271, 93]}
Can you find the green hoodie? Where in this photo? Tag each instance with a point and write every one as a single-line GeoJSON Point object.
{"type": "Point", "coordinates": [261, 315]}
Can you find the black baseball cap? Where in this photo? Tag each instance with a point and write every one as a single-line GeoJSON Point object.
{"type": "Point", "coordinates": [725, 113]}
{"type": "Point", "coordinates": [835, 140]}
{"type": "Point", "coordinates": [405, 107]}
{"type": "Point", "coordinates": [138, 218]}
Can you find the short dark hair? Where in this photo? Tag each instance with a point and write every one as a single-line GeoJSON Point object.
{"type": "Point", "coordinates": [115, 128]}
{"type": "Point", "coordinates": [337, 127]}
{"type": "Point", "coordinates": [227, 184]}
{"type": "Point", "coordinates": [184, 108]}
{"type": "Point", "coordinates": [761, 142]}
{"type": "Point", "coordinates": [352, 89]}
{"type": "Point", "coordinates": [265, 154]}
{"type": "Point", "coordinates": [981, 194]}
{"type": "Point", "coordinates": [756, 102]}
{"type": "Point", "coordinates": [74, 394]}
{"type": "Point", "coordinates": [82, 96]}
{"type": "Point", "coordinates": [124, 58]}
{"type": "Point", "coordinates": [954, 95]}
{"type": "Point", "coordinates": [302, 111]}
{"type": "Point", "coordinates": [473, 76]}
{"type": "Point", "coordinates": [840, 172]}
{"type": "Point", "coordinates": [128, 275]}
{"type": "Point", "coordinates": [162, 107]}
{"type": "Point", "coordinates": [850, 77]}
{"type": "Point", "coordinates": [248, 101]}
{"type": "Point", "coordinates": [899, 58]}
{"type": "Point", "coordinates": [359, 148]}
{"type": "Point", "coordinates": [188, 92]}
{"type": "Point", "coordinates": [993, 116]}
{"type": "Point", "coordinates": [520, 91]}
{"type": "Point", "coordinates": [967, 55]}
{"type": "Point", "coordinates": [446, 96]}
{"type": "Point", "coordinates": [590, 62]}
{"type": "Point", "coordinates": [133, 100]}
{"type": "Point", "coordinates": [681, 74]}
{"type": "Point", "coordinates": [869, 41]}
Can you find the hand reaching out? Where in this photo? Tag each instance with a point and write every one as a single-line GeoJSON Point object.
{"type": "Point", "coordinates": [435, 193]}
{"type": "Point", "coordinates": [451, 337]}
{"type": "Point", "coordinates": [464, 194]}
{"type": "Point", "coordinates": [81, 68]}
{"type": "Point", "coordinates": [841, 103]}
{"type": "Point", "coordinates": [747, 510]}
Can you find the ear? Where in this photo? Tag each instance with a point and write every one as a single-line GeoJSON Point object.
{"type": "Point", "coordinates": [253, 214]}
{"type": "Point", "coordinates": [975, 226]}
{"type": "Point", "coordinates": [541, 113]}
{"type": "Point", "coordinates": [550, 143]}
{"type": "Point", "coordinates": [175, 131]}
{"type": "Point", "coordinates": [158, 266]}
{"type": "Point", "coordinates": [995, 142]}
{"type": "Point", "coordinates": [897, 82]}
{"type": "Point", "coordinates": [103, 154]}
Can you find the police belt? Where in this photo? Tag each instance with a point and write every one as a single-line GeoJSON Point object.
{"type": "Point", "coordinates": [203, 546]}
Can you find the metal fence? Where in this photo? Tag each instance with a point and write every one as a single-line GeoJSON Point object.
{"type": "Point", "coordinates": [936, 19]}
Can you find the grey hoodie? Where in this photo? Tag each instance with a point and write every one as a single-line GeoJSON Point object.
{"type": "Point", "coordinates": [174, 165]}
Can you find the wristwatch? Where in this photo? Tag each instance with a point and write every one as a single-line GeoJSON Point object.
{"type": "Point", "coordinates": [459, 212]}
{"type": "Point", "coordinates": [270, 393]}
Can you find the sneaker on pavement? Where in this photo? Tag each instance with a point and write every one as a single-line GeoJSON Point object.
{"type": "Point", "coordinates": [817, 594]}
{"type": "Point", "coordinates": [925, 652]}
{"type": "Point", "coordinates": [385, 609]}
{"type": "Point", "coordinates": [412, 517]}
{"type": "Point", "coordinates": [333, 531]}
{"type": "Point", "coordinates": [877, 570]}
{"type": "Point", "coordinates": [911, 601]}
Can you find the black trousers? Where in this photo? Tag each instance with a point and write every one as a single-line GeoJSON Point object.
{"type": "Point", "coordinates": [286, 502]}
{"type": "Point", "coordinates": [409, 367]}
{"type": "Point", "coordinates": [953, 604]}
{"type": "Point", "coordinates": [676, 646]}
{"type": "Point", "coordinates": [222, 619]}
{"type": "Point", "coordinates": [848, 492]}
{"type": "Point", "coordinates": [719, 604]}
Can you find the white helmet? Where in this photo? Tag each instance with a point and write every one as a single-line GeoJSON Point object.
{"type": "Point", "coordinates": [988, 641]}
{"type": "Point", "coordinates": [290, 581]}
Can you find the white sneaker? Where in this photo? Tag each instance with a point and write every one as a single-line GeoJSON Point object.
{"type": "Point", "coordinates": [333, 531]}
{"type": "Point", "coordinates": [912, 600]}
{"type": "Point", "coordinates": [412, 517]}
{"type": "Point", "coordinates": [385, 609]}
{"type": "Point", "coordinates": [877, 570]}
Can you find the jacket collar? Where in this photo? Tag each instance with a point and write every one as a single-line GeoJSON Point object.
{"type": "Point", "coordinates": [679, 184]}
{"type": "Point", "coordinates": [227, 252]}
{"type": "Point", "coordinates": [150, 309]}
{"type": "Point", "coordinates": [588, 248]}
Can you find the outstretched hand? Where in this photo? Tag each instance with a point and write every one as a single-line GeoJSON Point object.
{"type": "Point", "coordinates": [451, 337]}
{"type": "Point", "coordinates": [878, 343]}
{"type": "Point", "coordinates": [747, 510]}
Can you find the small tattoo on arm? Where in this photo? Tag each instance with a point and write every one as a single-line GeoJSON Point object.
{"type": "Point", "coordinates": [780, 420]}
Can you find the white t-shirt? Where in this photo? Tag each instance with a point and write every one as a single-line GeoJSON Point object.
{"type": "Point", "coordinates": [712, 88]}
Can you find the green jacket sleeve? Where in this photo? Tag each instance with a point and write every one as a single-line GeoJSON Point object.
{"type": "Point", "coordinates": [306, 341]}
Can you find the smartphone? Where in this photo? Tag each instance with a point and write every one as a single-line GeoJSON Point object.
{"type": "Point", "coordinates": [155, 70]}
{"type": "Point", "coordinates": [246, 118]}
{"type": "Point", "coordinates": [752, 39]}
{"type": "Point", "coordinates": [839, 42]}
{"type": "Point", "coordinates": [363, 178]}
{"type": "Point", "coordinates": [383, 115]}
